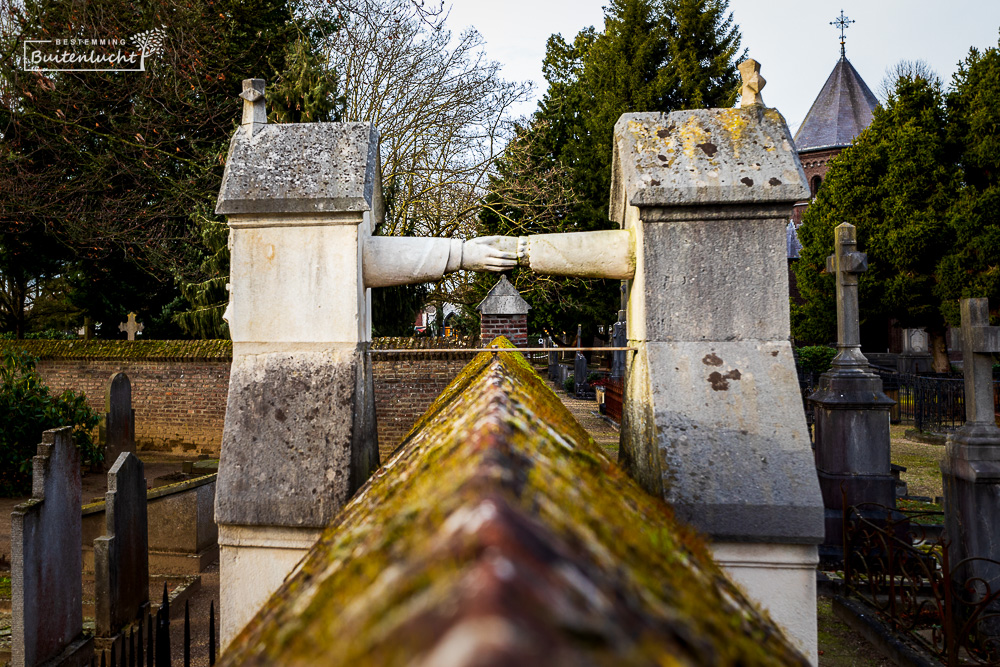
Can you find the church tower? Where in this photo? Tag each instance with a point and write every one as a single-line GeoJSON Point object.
{"type": "Point", "coordinates": [841, 111]}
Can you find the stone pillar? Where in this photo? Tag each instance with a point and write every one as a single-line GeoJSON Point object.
{"type": "Point", "coordinates": [504, 313]}
{"type": "Point", "coordinates": [299, 435]}
{"type": "Point", "coordinates": [713, 420]}
{"type": "Point", "coordinates": [852, 411]}
{"type": "Point", "coordinates": [971, 467]}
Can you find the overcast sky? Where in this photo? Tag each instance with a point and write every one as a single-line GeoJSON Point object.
{"type": "Point", "coordinates": [792, 39]}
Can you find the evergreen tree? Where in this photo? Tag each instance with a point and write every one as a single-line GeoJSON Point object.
{"type": "Point", "coordinates": [972, 267]}
{"type": "Point", "coordinates": [921, 185]}
{"type": "Point", "coordinates": [896, 184]}
{"type": "Point", "coordinates": [114, 175]}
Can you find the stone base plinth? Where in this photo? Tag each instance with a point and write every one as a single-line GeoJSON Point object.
{"type": "Point", "coordinates": [253, 563]}
{"type": "Point", "coordinates": [852, 447]}
{"type": "Point", "coordinates": [972, 507]}
{"type": "Point", "coordinates": [782, 579]}
{"type": "Point", "coordinates": [716, 428]}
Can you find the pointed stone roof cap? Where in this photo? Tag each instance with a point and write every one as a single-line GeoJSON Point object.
{"type": "Point", "coordinates": [841, 111]}
{"type": "Point", "coordinates": [503, 299]}
{"type": "Point", "coordinates": [301, 168]}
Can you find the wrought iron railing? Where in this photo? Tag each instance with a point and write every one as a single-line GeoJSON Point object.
{"type": "Point", "coordinates": [147, 644]}
{"type": "Point", "coordinates": [895, 565]}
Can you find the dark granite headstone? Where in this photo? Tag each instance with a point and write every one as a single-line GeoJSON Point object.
{"type": "Point", "coordinates": [553, 359]}
{"type": "Point", "coordinates": [118, 427]}
{"type": "Point", "coordinates": [618, 339]}
{"type": "Point", "coordinates": [580, 375]}
{"type": "Point", "coordinates": [46, 561]}
{"type": "Point", "coordinates": [121, 556]}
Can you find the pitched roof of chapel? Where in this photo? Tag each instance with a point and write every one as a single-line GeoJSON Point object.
{"type": "Point", "coordinates": [841, 111]}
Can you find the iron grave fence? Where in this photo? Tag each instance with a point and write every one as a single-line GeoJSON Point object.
{"type": "Point", "coordinates": [898, 565]}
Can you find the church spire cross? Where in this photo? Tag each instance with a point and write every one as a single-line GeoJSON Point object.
{"type": "Point", "coordinates": [843, 23]}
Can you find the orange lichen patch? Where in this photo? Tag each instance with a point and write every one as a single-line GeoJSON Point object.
{"type": "Point", "coordinates": [501, 534]}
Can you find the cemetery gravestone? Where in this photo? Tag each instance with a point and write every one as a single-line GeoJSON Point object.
{"type": "Point", "coordinates": [46, 561]}
{"type": "Point", "coordinates": [851, 410]}
{"type": "Point", "coordinates": [121, 556]}
{"type": "Point", "coordinates": [618, 339]}
{"type": "Point", "coordinates": [301, 201]}
{"type": "Point", "coordinates": [130, 327]}
{"type": "Point", "coordinates": [117, 429]}
{"type": "Point", "coordinates": [713, 418]}
{"type": "Point", "coordinates": [971, 467]}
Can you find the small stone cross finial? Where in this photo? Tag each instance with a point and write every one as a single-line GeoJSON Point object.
{"type": "Point", "coordinates": [847, 263]}
{"type": "Point", "coordinates": [131, 327]}
{"type": "Point", "coordinates": [979, 342]}
{"type": "Point", "coordinates": [254, 110]}
{"type": "Point", "coordinates": [753, 83]}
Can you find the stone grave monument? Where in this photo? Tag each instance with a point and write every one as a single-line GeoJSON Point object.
{"type": "Point", "coordinates": [299, 437]}
{"type": "Point", "coordinates": [971, 467]}
{"type": "Point", "coordinates": [46, 561]}
{"type": "Point", "coordinates": [121, 555]}
{"type": "Point", "coordinates": [130, 327]}
{"type": "Point", "coordinates": [117, 428]}
{"type": "Point", "coordinates": [713, 418]}
{"type": "Point", "coordinates": [851, 410]}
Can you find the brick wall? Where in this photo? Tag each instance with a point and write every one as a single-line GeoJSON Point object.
{"type": "Point", "coordinates": [179, 388]}
{"type": "Point", "coordinates": [514, 327]}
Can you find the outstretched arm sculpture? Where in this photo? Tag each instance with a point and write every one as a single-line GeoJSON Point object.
{"type": "Point", "coordinates": [402, 260]}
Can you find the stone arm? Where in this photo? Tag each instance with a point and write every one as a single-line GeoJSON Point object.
{"type": "Point", "coordinates": [403, 260]}
{"type": "Point", "coordinates": [599, 254]}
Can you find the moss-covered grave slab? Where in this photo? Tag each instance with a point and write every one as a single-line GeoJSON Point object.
{"type": "Point", "coordinates": [500, 533]}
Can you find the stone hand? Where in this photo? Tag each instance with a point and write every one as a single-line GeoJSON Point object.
{"type": "Point", "coordinates": [492, 253]}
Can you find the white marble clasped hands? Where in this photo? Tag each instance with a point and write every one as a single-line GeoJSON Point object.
{"type": "Point", "coordinates": [494, 253]}
{"type": "Point", "coordinates": [403, 260]}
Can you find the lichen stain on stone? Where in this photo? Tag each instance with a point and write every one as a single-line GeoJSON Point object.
{"type": "Point", "coordinates": [499, 505]}
{"type": "Point", "coordinates": [718, 381]}
{"type": "Point", "coordinates": [774, 182]}
{"type": "Point", "coordinates": [711, 359]}
{"type": "Point", "coordinates": [747, 181]}
{"type": "Point", "coordinates": [709, 148]}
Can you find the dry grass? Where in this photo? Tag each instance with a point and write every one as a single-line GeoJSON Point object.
{"type": "Point", "coordinates": [922, 463]}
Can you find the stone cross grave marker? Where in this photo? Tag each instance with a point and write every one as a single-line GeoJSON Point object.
{"type": "Point", "coordinates": [851, 409]}
{"type": "Point", "coordinates": [846, 263]}
{"type": "Point", "coordinates": [121, 555]}
{"type": "Point", "coordinates": [131, 327]}
{"type": "Point", "coordinates": [970, 470]}
{"type": "Point", "coordinates": [46, 561]}
{"type": "Point", "coordinates": [118, 426]}
{"type": "Point", "coordinates": [980, 342]}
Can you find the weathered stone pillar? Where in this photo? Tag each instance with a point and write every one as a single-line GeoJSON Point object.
{"type": "Point", "coordinates": [299, 435]}
{"type": "Point", "coordinates": [852, 411]}
{"type": "Point", "coordinates": [971, 467]}
{"type": "Point", "coordinates": [504, 312]}
{"type": "Point", "coordinates": [713, 419]}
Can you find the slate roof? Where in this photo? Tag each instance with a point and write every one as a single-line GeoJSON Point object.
{"type": "Point", "coordinates": [503, 299]}
{"type": "Point", "coordinates": [840, 112]}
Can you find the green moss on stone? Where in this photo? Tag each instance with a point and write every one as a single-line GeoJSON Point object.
{"type": "Point", "coordinates": [499, 519]}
